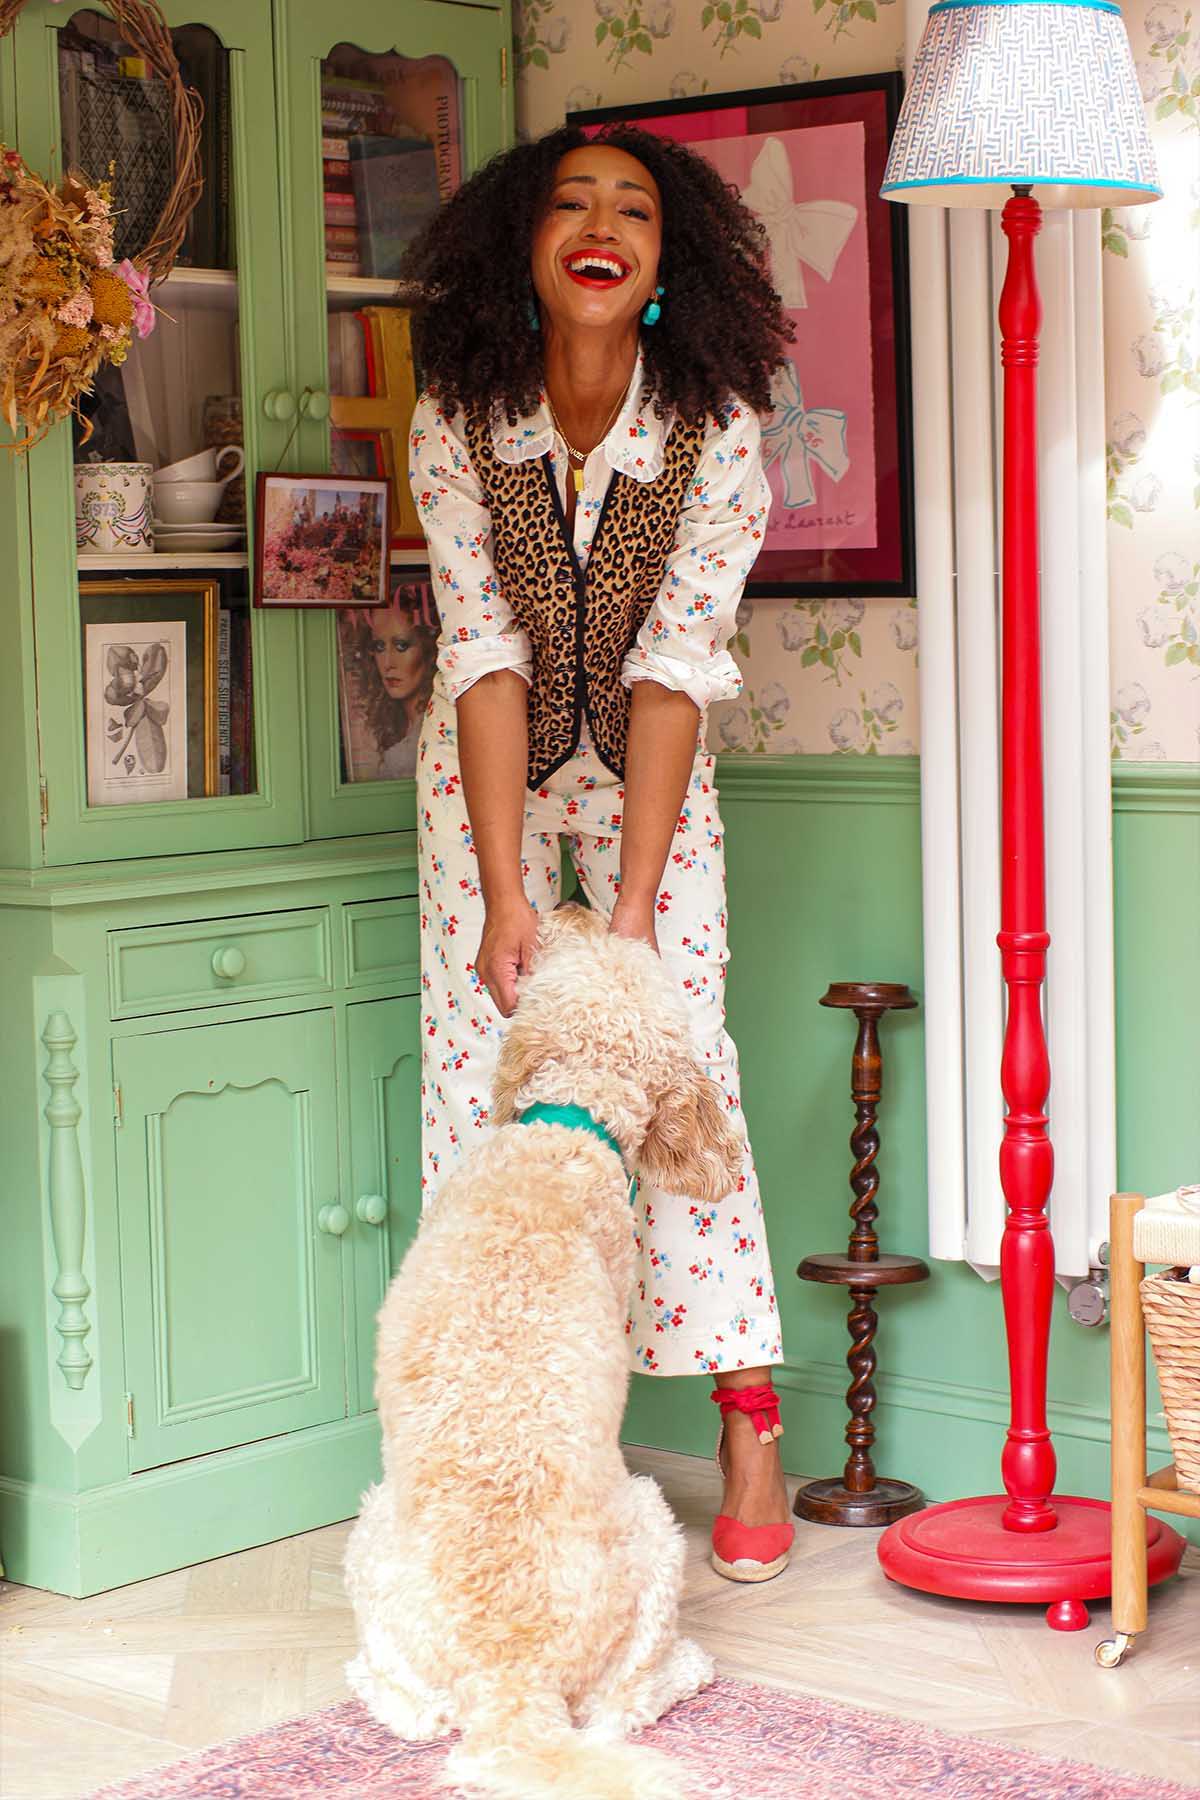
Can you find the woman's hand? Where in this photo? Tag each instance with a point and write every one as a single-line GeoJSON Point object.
{"type": "Point", "coordinates": [506, 950]}
{"type": "Point", "coordinates": [632, 920]}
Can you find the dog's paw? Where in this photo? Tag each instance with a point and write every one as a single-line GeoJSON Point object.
{"type": "Point", "coordinates": [415, 1720]}
{"type": "Point", "coordinates": [694, 1665]}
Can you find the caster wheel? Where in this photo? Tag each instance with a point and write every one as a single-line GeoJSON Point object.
{"type": "Point", "coordinates": [1111, 1653]}
{"type": "Point", "coordinates": [1067, 1615]}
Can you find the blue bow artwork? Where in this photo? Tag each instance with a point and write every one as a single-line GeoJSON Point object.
{"type": "Point", "coordinates": [796, 436]}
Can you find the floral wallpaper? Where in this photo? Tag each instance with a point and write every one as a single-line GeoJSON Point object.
{"type": "Point", "coordinates": [840, 675]}
{"type": "Point", "coordinates": [1152, 393]}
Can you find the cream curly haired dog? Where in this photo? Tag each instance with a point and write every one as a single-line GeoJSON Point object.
{"type": "Point", "coordinates": [509, 1578]}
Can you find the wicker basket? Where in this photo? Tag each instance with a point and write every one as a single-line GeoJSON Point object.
{"type": "Point", "coordinates": [1172, 1311]}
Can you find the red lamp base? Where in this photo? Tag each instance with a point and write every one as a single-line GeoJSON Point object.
{"type": "Point", "coordinates": [961, 1549]}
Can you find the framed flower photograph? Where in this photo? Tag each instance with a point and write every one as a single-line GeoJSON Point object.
{"type": "Point", "coordinates": [808, 162]}
{"type": "Point", "coordinates": [321, 540]}
{"type": "Point", "coordinates": [386, 660]}
{"type": "Point", "coordinates": [150, 689]}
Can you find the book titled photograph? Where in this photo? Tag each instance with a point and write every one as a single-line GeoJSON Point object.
{"type": "Point", "coordinates": [322, 541]}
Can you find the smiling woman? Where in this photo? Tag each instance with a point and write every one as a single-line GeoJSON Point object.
{"type": "Point", "coordinates": [599, 334]}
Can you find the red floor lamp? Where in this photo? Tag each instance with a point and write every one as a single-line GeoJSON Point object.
{"type": "Point", "coordinates": [1012, 102]}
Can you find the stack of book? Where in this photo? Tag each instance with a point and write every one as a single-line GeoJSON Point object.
{"type": "Point", "coordinates": [380, 179]}
{"type": "Point", "coordinates": [348, 107]}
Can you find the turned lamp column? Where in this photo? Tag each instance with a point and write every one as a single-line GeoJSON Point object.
{"type": "Point", "coordinates": [861, 1497]}
{"type": "Point", "coordinates": [1004, 99]}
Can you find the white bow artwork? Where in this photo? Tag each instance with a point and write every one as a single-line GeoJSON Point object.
{"type": "Point", "coordinates": [799, 231]}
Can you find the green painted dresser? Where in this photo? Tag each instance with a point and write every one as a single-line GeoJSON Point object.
{"type": "Point", "coordinates": [210, 1005]}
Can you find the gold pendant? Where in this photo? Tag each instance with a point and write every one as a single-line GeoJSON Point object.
{"type": "Point", "coordinates": [578, 474]}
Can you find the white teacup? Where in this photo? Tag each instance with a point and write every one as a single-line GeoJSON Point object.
{"type": "Point", "coordinates": [187, 502]}
{"type": "Point", "coordinates": [204, 466]}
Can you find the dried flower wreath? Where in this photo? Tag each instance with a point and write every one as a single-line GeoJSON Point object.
{"type": "Point", "coordinates": [65, 309]}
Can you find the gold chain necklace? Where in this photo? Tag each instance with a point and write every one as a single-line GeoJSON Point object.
{"type": "Point", "coordinates": [581, 456]}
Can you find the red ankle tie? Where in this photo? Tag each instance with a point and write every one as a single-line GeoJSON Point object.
{"type": "Point", "coordinates": [762, 1404]}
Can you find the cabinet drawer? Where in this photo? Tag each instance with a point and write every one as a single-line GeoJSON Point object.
{"type": "Point", "coordinates": [382, 943]}
{"type": "Point", "coordinates": [218, 962]}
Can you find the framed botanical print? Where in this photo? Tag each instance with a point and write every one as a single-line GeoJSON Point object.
{"type": "Point", "coordinates": [150, 689]}
{"type": "Point", "coordinates": [808, 161]}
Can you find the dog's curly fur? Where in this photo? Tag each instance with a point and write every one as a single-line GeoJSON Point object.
{"type": "Point", "coordinates": [509, 1578]}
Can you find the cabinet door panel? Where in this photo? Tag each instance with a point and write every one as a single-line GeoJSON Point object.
{"type": "Point", "coordinates": [232, 1291]}
{"type": "Point", "coordinates": [385, 1138]}
{"type": "Point", "coordinates": [217, 334]}
{"type": "Point", "coordinates": [386, 113]}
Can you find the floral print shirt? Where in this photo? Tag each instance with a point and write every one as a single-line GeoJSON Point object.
{"type": "Point", "coordinates": [683, 644]}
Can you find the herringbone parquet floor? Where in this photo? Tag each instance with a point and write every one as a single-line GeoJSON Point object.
{"type": "Point", "coordinates": [94, 1690]}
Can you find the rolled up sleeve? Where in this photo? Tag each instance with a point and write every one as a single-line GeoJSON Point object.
{"type": "Point", "coordinates": [479, 630]}
{"type": "Point", "coordinates": [683, 644]}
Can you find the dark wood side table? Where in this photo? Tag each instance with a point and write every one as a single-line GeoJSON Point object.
{"type": "Point", "coordinates": [860, 1497]}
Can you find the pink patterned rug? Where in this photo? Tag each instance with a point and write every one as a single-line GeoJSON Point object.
{"type": "Point", "coordinates": [736, 1742]}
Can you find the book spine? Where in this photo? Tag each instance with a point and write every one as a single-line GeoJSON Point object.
{"type": "Point", "coordinates": [223, 697]}
{"type": "Point", "coordinates": [248, 708]}
{"type": "Point", "coordinates": [223, 197]}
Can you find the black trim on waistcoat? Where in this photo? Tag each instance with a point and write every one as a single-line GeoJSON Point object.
{"type": "Point", "coordinates": [582, 704]}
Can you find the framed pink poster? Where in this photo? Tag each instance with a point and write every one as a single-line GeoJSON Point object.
{"type": "Point", "coordinates": [808, 161]}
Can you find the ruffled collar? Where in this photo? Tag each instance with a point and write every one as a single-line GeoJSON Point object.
{"type": "Point", "coordinates": [634, 446]}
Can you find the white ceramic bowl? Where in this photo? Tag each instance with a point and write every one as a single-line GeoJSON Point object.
{"type": "Point", "coordinates": [187, 502]}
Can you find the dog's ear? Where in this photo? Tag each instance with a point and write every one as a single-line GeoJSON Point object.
{"type": "Point", "coordinates": [523, 1050]}
{"type": "Point", "coordinates": [690, 1147]}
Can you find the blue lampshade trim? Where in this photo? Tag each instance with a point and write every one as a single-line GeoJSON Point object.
{"type": "Point", "coordinates": [958, 5]}
{"type": "Point", "coordinates": [1031, 181]}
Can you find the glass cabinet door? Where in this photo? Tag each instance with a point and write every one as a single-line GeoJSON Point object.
{"type": "Point", "coordinates": [168, 706]}
{"type": "Point", "coordinates": [387, 113]}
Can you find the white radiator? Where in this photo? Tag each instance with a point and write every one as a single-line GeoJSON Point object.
{"type": "Point", "coordinates": [957, 264]}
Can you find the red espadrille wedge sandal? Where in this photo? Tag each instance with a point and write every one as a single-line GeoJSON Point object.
{"type": "Point", "coordinates": [749, 1552]}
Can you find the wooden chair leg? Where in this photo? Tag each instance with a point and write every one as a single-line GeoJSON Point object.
{"type": "Point", "coordinates": [1128, 1425]}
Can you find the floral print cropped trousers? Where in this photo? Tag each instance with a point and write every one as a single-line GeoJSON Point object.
{"type": "Point", "coordinates": [703, 1298]}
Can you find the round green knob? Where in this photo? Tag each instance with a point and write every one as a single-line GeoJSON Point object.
{"type": "Point", "coordinates": [228, 962]}
{"type": "Point", "coordinates": [372, 1209]}
{"type": "Point", "coordinates": [314, 403]}
{"type": "Point", "coordinates": [334, 1219]}
{"type": "Point", "coordinates": [279, 405]}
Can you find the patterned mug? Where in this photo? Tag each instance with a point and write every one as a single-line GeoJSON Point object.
{"type": "Point", "coordinates": [113, 515]}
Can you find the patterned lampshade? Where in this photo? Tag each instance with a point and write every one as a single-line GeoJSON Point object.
{"type": "Point", "coordinates": [1016, 93]}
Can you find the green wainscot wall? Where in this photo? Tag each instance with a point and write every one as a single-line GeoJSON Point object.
{"type": "Point", "coordinates": [825, 884]}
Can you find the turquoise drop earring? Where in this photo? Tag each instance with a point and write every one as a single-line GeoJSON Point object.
{"type": "Point", "coordinates": [535, 323]}
{"type": "Point", "coordinates": [653, 312]}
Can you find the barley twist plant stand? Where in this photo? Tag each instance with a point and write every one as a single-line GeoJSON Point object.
{"type": "Point", "coordinates": [860, 1497]}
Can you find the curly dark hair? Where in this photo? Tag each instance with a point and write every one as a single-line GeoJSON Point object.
{"type": "Point", "coordinates": [466, 277]}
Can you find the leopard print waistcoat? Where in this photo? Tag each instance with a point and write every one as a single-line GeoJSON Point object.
{"type": "Point", "coordinates": [580, 622]}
